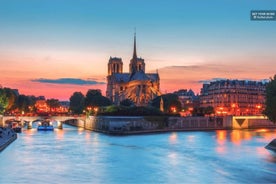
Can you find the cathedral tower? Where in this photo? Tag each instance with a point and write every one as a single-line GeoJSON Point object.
{"type": "Point", "coordinates": [136, 64]}
{"type": "Point", "coordinates": [115, 65]}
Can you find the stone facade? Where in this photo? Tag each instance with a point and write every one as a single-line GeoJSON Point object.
{"type": "Point", "coordinates": [234, 97]}
{"type": "Point", "coordinates": [137, 85]}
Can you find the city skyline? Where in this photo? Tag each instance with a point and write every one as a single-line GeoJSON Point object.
{"type": "Point", "coordinates": [54, 48]}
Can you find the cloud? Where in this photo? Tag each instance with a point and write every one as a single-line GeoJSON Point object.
{"type": "Point", "coordinates": [73, 81]}
{"type": "Point", "coordinates": [210, 80]}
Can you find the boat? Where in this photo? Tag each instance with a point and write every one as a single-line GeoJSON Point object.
{"type": "Point", "coordinates": [17, 129]}
{"type": "Point", "coordinates": [271, 146]}
{"type": "Point", "coordinates": [45, 126]}
{"type": "Point", "coordinates": [16, 126]}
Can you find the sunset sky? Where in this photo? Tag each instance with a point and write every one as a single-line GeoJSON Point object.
{"type": "Point", "coordinates": [56, 47]}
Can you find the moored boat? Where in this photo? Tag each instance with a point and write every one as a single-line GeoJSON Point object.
{"type": "Point", "coordinates": [17, 129]}
{"type": "Point", "coordinates": [271, 146]}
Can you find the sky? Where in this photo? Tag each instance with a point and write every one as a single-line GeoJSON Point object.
{"type": "Point", "coordinates": [56, 47]}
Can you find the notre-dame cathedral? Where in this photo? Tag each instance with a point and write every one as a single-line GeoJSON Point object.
{"type": "Point", "coordinates": [138, 86]}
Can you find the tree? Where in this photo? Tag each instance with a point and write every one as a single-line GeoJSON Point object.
{"type": "Point", "coordinates": [171, 102]}
{"type": "Point", "coordinates": [53, 103]}
{"type": "Point", "coordinates": [94, 98]}
{"type": "Point", "coordinates": [209, 110]}
{"type": "Point", "coordinates": [25, 103]}
{"type": "Point", "coordinates": [12, 96]}
{"type": "Point", "coordinates": [77, 103]}
{"type": "Point", "coordinates": [3, 101]}
{"type": "Point", "coordinates": [202, 111]}
{"type": "Point", "coordinates": [270, 100]}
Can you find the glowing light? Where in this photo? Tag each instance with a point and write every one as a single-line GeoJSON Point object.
{"type": "Point", "coordinates": [236, 137]}
{"type": "Point", "coordinates": [173, 137]}
{"type": "Point", "coordinates": [262, 130]}
{"type": "Point", "coordinates": [173, 109]}
{"type": "Point", "coordinates": [221, 135]}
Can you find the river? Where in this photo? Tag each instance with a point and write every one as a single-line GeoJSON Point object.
{"type": "Point", "coordinates": [74, 155]}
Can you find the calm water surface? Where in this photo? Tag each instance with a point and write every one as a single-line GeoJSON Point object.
{"type": "Point", "coordinates": [75, 155]}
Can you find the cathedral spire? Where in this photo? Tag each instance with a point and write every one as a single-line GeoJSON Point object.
{"type": "Point", "coordinates": [134, 50]}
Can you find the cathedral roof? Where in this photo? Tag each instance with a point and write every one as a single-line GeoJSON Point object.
{"type": "Point", "coordinates": [153, 76]}
{"type": "Point", "coordinates": [139, 75]}
{"type": "Point", "coordinates": [121, 77]}
{"type": "Point", "coordinates": [126, 77]}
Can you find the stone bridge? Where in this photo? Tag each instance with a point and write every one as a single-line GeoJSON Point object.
{"type": "Point", "coordinates": [30, 119]}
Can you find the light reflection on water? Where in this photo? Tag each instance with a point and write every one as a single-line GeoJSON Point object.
{"type": "Point", "coordinates": [75, 155]}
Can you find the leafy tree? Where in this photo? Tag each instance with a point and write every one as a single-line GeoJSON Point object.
{"type": "Point", "coordinates": [209, 110]}
{"type": "Point", "coordinates": [53, 103]}
{"type": "Point", "coordinates": [12, 98]}
{"type": "Point", "coordinates": [169, 100]}
{"type": "Point", "coordinates": [270, 100]}
{"type": "Point", "coordinates": [201, 111]}
{"type": "Point", "coordinates": [130, 111]}
{"type": "Point", "coordinates": [94, 98]}
{"type": "Point", "coordinates": [77, 103]}
{"type": "Point", "coordinates": [198, 111]}
{"type": "Point", "coordinates": [3, 101]}
{"type": "Point", "coordinates": [25, 103]}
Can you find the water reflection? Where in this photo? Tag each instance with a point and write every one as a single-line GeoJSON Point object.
{"type": "Point", "coordinates": [237, 136]}
{"type": "Point", "coordinates": [173, 158]}
{"type": "Point", "coordinates": [80, 156]}
{"type": "Point", "coordinates": [262, 151]}
{"type": "Point", "coordinates": [191, 138]}
{"type": "Point", "coordinates": [221, 138]}
{"type": "Point", "coordinates": [173, 138]}
{"type": "Point", "coordinates": [271, 156]}
{"type": "Point", "coordinates": [59, 134]}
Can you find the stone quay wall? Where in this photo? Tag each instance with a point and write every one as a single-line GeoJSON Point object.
{"type": "Point", "coordinates": [7, 136]}
{"type": "Point", "coordinates": [149, 124]}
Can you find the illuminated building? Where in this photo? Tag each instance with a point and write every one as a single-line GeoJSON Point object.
{"type": "Point", "coordinates": [234, 97]}
{"type": "Point", "coordinates": [186, 97]}
{"type": "Point", "coordinates": [138, 86]}
{"type": "Point", "coordinates": [41, 106]}
{"type": "Point", "coordinates": [188, 101]}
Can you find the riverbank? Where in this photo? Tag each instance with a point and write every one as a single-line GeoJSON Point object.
{"type": "Point", "coordinates": [7, 136]}
{"type": "Point", "coordinates": [157, 131]}
{"type": "Point", "coordinates": [128, 125]}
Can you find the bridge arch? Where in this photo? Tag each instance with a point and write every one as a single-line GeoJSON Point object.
{"type": "Point", "coordinates": [30, 119]}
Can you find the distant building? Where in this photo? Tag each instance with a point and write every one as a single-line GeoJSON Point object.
{"type": "Point", "coordinates": [188, 100]}
{"type": "Point", "coordinates": [41, 106]}
{"type": "Point", "coordinates": [64, 106]}
{"type": "Point", "coordinates": [187, 97]}
{"type": "Point", "coordinates": [234, 97]}
{"type": "Point", "coordinates": [138, 86]}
